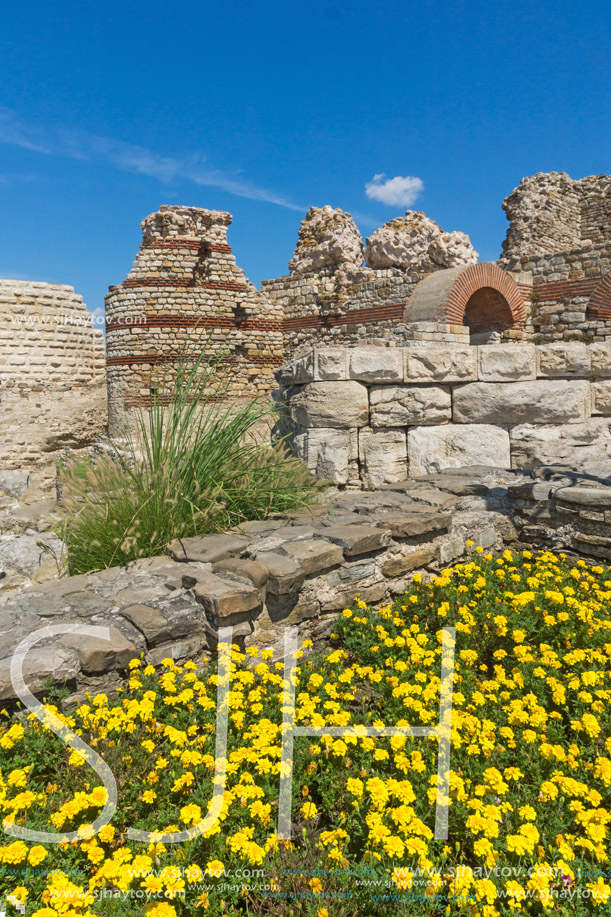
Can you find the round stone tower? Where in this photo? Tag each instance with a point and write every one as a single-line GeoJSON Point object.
{"type": "Point", "coordinates": [185, 287]}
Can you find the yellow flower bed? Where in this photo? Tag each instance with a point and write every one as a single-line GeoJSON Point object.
{"type": "Point", "coordinates": [530, 778]}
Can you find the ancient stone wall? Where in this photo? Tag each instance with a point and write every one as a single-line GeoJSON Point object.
{"type": "Point", "coordinates": [368, 416]}
{"type": "Point", "coordinates": [330, 296]}
{"type": "Point", "coordinates": [52, 391]}
{"type": "Point", "coordinates": [186, 290]}
{"type": "Point", "coordinates": [550, 213]}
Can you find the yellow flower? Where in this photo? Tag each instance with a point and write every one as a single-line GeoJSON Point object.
{"type": "Point", "coordinates": [309, 810]}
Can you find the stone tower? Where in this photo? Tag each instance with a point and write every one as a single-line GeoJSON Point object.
{"type": "Point", "coordinates": [184, 287]}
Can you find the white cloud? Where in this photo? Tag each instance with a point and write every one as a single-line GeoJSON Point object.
{"type": "Point", "coordinates": [400, 191]}
{"type": "Point", "coordinates": [128, 157]}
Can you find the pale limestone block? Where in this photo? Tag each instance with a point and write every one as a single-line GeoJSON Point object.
{"type": "Point", "coordinates": [563, 359]}
{"type": "Point", "coordinates": [583, 446]}
{"type": "Point", "coordinates": [601, 397]}
{"type": "Point", "coordinates": [383, 456]}
{"type": "Point", "coordinates": [407, 405]}
{"type": "Point", "coordinates": [431, 449]}
{"type": "Point", "coordinates": [331, 455]}
{"type": "Point", "coordinates": [341, 405]}
{"type": "Point", "coordinates": [376, 364]}
{"type": "Point", "coordinates": [331, 364]}
{"type": "Point", "coordinates": [600, 358]}
{"type": "Point", "coordinates": [440, 363]}
{"type": "Point", "coordinates": [507, 362]}
{"type": "Point", "coordinates": [541, 401]}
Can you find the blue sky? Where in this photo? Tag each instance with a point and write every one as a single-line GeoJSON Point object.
{"type": "Point", "coordinates": [108, 110]}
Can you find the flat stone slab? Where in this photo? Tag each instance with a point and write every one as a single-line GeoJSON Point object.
{"type": "Point", "coordinates": [98, 656]}
{"type": "Point", "coordinates": [314, 555]}
{"type": "Point", "coordinates": [358, 539]}
{"type": "Point", "coordinates": [585, 496]}
{"type": "Point", "coordinates": [248, 570]}
{"type": "Point", "coordinates": [407, 526]}
{"type": "Point", "coordinates": [284, 574]}
{"type": "Point", "coordinates": [224, 601]}
{"type": "Point", "coordinates": [206, 548]}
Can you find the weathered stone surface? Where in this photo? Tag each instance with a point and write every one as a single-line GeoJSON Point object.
{"type": "Point", "coordinates": [327, 237]}
{"type": "Point", "coordinates": [585, 496]}
{"type": "Point", "coordinates": [331, 455]}
{"type": "Point", "coordinates": [285, 574]}
{"type": "Point", "coordinates": [563, 359]}
{"type": "Point", "coordinates": [507, 362]}
{"type": "Point", "coordinates": [383, 456]}
{"type": "Point", "coordinates": [98, 656]}
{"type": "Point", "coordinates": [206, 548]}
{"type": "Point", "coordinates": [158, 626]}
{"type": "Point", "coordinates": [408, 558]}
{"type": "Point", "coordinates": [406, 525]}
{"type": "Point", "coordinates": [600, 358]}
{"type": "Point", "coordinates": [416, 243]}
{"type": "Point", "coordinates": [298, 370]}
{"type": "Point", "coordinates": [431, 449]}
{"type": "Point", "coordinates": [409, 405]}
{"type": "Point", "coordinates": [244, 569]}
{"type": "Point", "coordinates": [584, 445]}
{"type": "Point", "coordinates": [376, 364]}
{"type": "Point", "coordinates": [544, 215]}
{"type": "Point", "coordinates": [601, 397]}
{"type": "Point", "coordinates": [339, 405]}
{"type": "Point", "coordinates": [522, 402]}
{"type": "Point", "coordinates": [43, 664]}
{"type": "Point", "coordinates": [314, 554]}
{"type": "Point", "coordinates": [440, 363]}
{"type": "Point", "coordinates": [331, 363]}
{"type": "Point", "coordinates": [226, 601]}
{"type": "Point", "coordinates": [358, 539]}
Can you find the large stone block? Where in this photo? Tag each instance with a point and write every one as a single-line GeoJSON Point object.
{"type": "Point", "coordinates": [580, 445]}
{"type": "Point", "coordinates": [376, 364]}
{"type": "Point", "coordinates": [600, 358]}
{"type": "Point", "coordinates": [507, 362]}
{"type": "Point", "coordinates": [331, 455]}
{"type": "Point", "coordinates": [331, 363]}
{"type": "Point", "coordinates": [543, 401]}
{"type": "Point", "coordinates": [408, 405]}
{"type": "Point", "coordinates": [563, 359]}
{"type": "Point", "coordinates": [431, 449]}
{"type": "Point", "coordinates": [383, 456]}
{"type": "Point", "coordinates": [601, 397]}
{"type": "Point", "coordinates": [440, 363]}
{"type": "Point", "coordinates": [340, 405]}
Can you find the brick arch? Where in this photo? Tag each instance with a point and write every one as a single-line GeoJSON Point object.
{"type": "Point", "coordinates": [444, 296]}
{"type": "Point", "coordinates": [599, 304]}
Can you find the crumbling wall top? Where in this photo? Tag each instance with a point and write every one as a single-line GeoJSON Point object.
{"type": "Point", "coordinates": [417, 244]}
{"type": "Point", "coordinates": [327, 238]}
{"type": "Point", "coordinates": [178, 222]}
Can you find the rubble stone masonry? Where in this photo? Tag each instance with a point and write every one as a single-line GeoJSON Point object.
{"type": "Point", "coordinates": [52, 393]}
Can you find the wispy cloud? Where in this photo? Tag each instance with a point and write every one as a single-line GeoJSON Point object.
{"type": "Point", "coordinates": [128, 157]}
{"type": "Point", "coordinates": [400, 191]}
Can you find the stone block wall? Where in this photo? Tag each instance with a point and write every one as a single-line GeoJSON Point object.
{"type": "Point", "coordinates": [52, 385]}
{"type": "Point", "coordinates": [369, 416]}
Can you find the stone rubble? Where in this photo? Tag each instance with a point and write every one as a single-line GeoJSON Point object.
{"type": "Point", "coordinates": [417, 244]}
{"type": "Point", "coordinates": [297, 570]}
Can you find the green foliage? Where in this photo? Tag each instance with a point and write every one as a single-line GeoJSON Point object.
{"type": "Point", "coordinates": [193, 462]}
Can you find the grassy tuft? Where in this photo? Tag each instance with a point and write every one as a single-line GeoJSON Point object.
{"type": "Point", "coordinates": [191, 463]}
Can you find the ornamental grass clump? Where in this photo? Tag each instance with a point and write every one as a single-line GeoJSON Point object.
{"type": "Point", "coordinates": [530, 767]}
{"type": "Point", "coordinates": [193, 462]}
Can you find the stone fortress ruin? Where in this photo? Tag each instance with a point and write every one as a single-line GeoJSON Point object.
{"type": "Point", "coordinates": [446, 399]}
{"type": "Point", "coordinates": [541, 315]}
{"type": "Point", "coordinates": [384, 333]}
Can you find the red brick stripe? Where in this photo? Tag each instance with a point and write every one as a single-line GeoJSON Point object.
{"type": "Point", "coordinates": [155, 358]}
{"type": "Point", "coordinates": [184, 282]}
{"type": "Point", "coordinates": [389, 312]}
{"type": "Point", "coordinates": [191, 244]}
{"type": "Point", "coordinates": [164, 320]}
